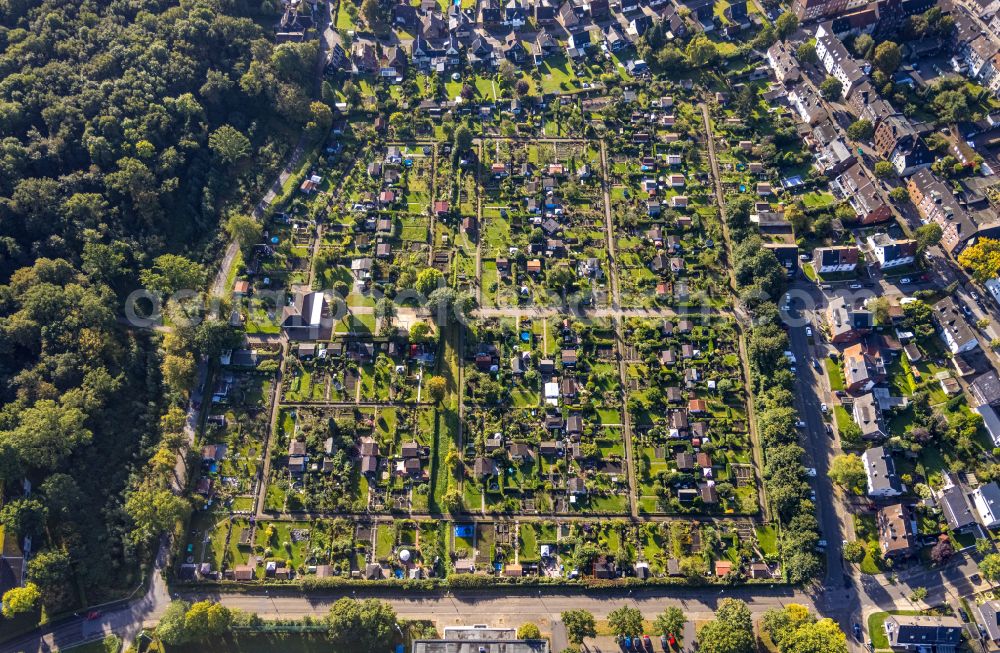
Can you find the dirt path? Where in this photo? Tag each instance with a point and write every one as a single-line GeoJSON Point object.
{"type": "Point", "coordinates": [633, 496]}
{"type": "Point", "coordinates": [720, 199]}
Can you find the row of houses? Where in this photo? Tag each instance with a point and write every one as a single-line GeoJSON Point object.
{"type": "Point", "coordinates": [887, 252]}
{"type": "Point", "coordinates": [445, 40]}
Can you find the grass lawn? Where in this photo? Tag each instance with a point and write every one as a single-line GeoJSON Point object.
{"type": "Point", "coordinates": [528, 550]}
{"type": "Point", "coordinates": [110, 644]}
{"type": "Point", "coordinates": [817, 199]}
{"type": "Point", "coordinates": [842, 417]}
{"type": "Point", "coordinates": [385, 541]}
{"type": "Point", "coordinates": [767, 536]}
{"type": "Point", "coordinates": [258, 643]}
{"type": "Point", "coordinates": [835, 374]}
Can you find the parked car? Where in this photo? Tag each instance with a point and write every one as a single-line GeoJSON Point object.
{"type": "Point", "coordinates": [904, 280]}
{"type": "Point", "coordinates": [855, 286]}
{"type": "Point", "coordinates": [857, 631]}
{"type": "Point", "coordinates": [823, 408]}
{"type": "Point", "coordinates": [809, 331]}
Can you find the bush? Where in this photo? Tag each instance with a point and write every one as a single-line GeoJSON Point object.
{"type": "Point", "coordinates": [528, 631]}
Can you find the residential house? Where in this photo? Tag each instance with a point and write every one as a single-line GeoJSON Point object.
{"type": "Point", "coordinates": [923, 633]}
{"type": "Point", "coordinates": [807, 103]}
{"type": "Point", "coordinates": [863, 195]}
{"type": "Point", "coordinates": [955, 506]}
{"type": "Point", "coordinates": [392, 63]}
{"type": "Point", "coordinates": [577, 45]}
{"type": "Point", "coordinates": [908, 160]}
{"type": "Point", "coordinates": [303, 319]}
{"type": "Point", "coordinates": [513, 49]}
{"type": "Point", "coordinates": [868, 417]}
{"type": "Point", "coordinates": [568, 17]}
{"type": "Point", "coordinates": [989, 618]}
{"type": "Point", "coordinates": [896, 533]}
{"type": "Point", "coordinates": [363, 59]}
{"type": "Point", "coordinates": [890, 252]}
{"type": "Point", "coordinates": [880, 471]}
{"type": "Point", "coordinates": [894, 132]}
{"type": "Point", "coordinates": [863, 368]}
{"type": "Point", "coordinates": [832, 157]}
{"type": "Point", "coordinates": [835, 58]}
{"type": "Point", "coordinates": [953, 327]}
{"type": "Point", "coordinates": [832, 260]}
{"type": "Point", "coordinates": [985, 388]}
{"type": "Point", "coordinates": [937, 203]}
{"type": "Point", "coordinates": [986, 499]}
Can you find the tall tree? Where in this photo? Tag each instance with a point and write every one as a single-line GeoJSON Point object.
{"type": "Point", "coordinates": [625, 620]}
{"type": "Point", "coordinates": [786, 24]}
{"type": "Point", "coordinates": [229, 144]}
{"type": "Point", "coordinates": [670, 622]}
{"type": "Point", "coordinates": [363, 625]}
{"type": "Point", "coordinates": [731, 631]}
{"type": "Point", "coordinates": [579, 625]}
{"type": "Point", "coordinates": [848, 471]}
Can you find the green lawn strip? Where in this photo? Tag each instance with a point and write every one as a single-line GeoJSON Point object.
{"type": "Point", "coordinates": [835, 374]}
{"type": "Point", "coordinates": [528, 550]}
{"type": "Point", "coordinates": [385, 541]}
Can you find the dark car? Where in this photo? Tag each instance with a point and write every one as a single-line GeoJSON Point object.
{"type": "Point", "coordinates": [857, 631]}
{"type": "Point", "coordinates": [963, 614]}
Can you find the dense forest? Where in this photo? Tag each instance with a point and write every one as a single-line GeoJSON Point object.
{"type": "Point", "coordinates": [128, 130]}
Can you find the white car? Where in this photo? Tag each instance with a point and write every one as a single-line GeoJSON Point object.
{"type": "Point", "coordinates": [809, 332]}
{"type": "Point", "coordinates": [855, 286]}
{"type": "Point", "coordinates": [823, 408]}
{"type": "Point", "coordinates": [811, 471]}
{"type": "Point", "coordinates": [904, 280]}
{"type": "Point", "coordinates": [800, 424]}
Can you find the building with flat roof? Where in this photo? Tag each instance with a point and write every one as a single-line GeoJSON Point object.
{"type": "Point", "coordinates": [480, 640]}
